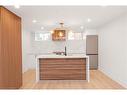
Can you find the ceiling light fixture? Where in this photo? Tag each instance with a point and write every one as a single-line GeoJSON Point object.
{"type": "Point", "coordinates": [89, 20]}
{"type": "Point", "coordinates": [82, 27]}
{"type": "Point", "coordinates": [34, 21]}
{"type": "Point", "coordinates": [104, 5]}
{"type": "Point", "coordinates": [42, 28]}
{"type": "Point", "coordinates": [16, 6]}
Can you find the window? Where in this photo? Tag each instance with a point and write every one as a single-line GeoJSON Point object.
{"type": "Point", "coordinates": [42, 36]}
{"type": "Point", "coordinates": [71, 36]}
{"type": "Point", "coordinates": [75, 36]}
{"type": "Point", "coordinates": [78, 36]}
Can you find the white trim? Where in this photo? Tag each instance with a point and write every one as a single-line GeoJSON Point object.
{"type": "Point", "coordinates": [87, 70]}
{"type": "Point", "coordinates": [37, 70]}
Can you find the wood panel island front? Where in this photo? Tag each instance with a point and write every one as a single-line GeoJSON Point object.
{"type": "Point", "coordinates": [58, 67]}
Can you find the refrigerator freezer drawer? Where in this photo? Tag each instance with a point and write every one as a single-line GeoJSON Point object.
{"type": "Point", "coordinates": [93, 60]}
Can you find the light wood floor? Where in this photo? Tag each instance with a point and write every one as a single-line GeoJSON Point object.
{"type": "Point", "coordinates": [97, 81]}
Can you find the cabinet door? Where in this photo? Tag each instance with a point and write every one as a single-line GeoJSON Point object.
{"type": "Point", "coordinates": [10, 51]}
{"type": "Point", "coordinates": [62, 69]}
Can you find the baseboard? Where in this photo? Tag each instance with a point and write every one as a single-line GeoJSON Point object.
{"type": "Point", "coordinates": [122, 84]}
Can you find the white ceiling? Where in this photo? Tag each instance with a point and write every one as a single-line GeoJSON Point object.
{"type": "Point", "coordinates": [73, 16]}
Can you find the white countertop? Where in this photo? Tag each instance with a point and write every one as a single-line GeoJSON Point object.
{"type": "Point", "coordinates": [62, 56]}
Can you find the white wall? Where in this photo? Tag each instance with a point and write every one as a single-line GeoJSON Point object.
{"type": "Point", "coordinates": [33, 48]}
{"type": "Point", "coordinates": [26, 46]}
{"type": "Point", "coordinates": [73, 46]}
{"type": "Point", "coordinates": [113, 50]}
{"type": "Point", "coordinates": [51, 46]}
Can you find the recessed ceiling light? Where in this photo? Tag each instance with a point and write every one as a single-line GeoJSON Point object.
{"type": "Point", "coordinates": [82, 27]}
{"type": "Point", "coordinates": [17, 6]}
{"type": "Point", "coordinates": [42, 27]}
{"type": "Point", "coordinates": [104, 5]}
{"type": "Point", "coordinates": [89, 20]}
{"type": "Point", "coordinates": [34, 21]}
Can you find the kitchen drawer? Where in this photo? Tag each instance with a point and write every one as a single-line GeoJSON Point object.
{"type": "Point", "coordinates": [61, 71]}
{"type": "Point", "coordinates": [63, 77]}
{"type": "Point", "coordinates": [62, 66]}
{"type": "Point", "coordinates": [63, 74]}
{"type": "Point", "coordinates": [62, 61]}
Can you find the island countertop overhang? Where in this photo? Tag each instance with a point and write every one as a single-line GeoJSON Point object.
{"type": "Point", "coordinates": [62, 56]}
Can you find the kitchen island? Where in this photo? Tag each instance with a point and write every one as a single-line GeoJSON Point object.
{"type": "Point", "coordinates": [60, 67]}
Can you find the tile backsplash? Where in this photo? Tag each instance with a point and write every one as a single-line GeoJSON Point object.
{"type": "Point", "coordinates": [75, 46]}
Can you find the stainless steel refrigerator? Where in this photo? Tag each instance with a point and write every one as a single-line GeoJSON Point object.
{"type": "Point", "coordinates": [92, 50]}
